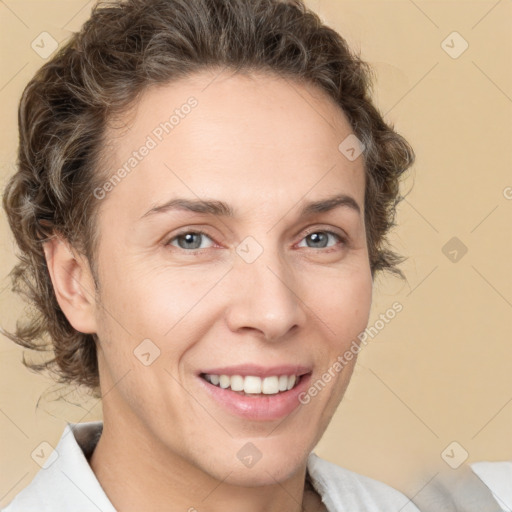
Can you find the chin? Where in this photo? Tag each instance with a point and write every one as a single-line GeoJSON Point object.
{"type": "Point", "coordinates": [268, 470]}
{"type": "Point", "coordinates": [263, 476]}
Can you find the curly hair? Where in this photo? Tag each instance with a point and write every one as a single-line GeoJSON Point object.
{"type": "Point", "coordinates": [125, 47]}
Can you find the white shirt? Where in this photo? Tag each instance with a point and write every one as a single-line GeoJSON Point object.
{"type": "Point", "coordinates": [68, 484]}
{"type": "Point", "coordinates": [497, 476]}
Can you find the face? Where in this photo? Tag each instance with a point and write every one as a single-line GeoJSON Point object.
{"type": "Point", "coordinates": [264, 286]}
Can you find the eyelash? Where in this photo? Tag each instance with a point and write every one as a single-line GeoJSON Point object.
{"type": "Point", "coordinates": [343, 240]}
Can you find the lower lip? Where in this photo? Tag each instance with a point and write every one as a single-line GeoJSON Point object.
{"type": "Point", "coordinates": [259, 407]}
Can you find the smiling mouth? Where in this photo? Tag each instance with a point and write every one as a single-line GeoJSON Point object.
{"type": "Point", "coordinates": [252, 385]}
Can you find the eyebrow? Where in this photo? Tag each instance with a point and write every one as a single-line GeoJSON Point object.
{"type": "Point", "coordinates": [221, 209]}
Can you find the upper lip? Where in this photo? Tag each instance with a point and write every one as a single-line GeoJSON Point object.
{"type": "Point", "coordinates": [259, 371]}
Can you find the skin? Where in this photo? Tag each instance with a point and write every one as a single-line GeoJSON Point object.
{"type": "Point", "coordinates": [265, 146]}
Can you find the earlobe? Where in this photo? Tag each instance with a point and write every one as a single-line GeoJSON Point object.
{"type": "Point", "coordinates": [73, 284]}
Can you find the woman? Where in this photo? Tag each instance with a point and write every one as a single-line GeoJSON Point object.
{"type": "Point", "coordinates": [202, 201]}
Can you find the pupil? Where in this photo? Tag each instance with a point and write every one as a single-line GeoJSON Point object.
{"type": "Point", "coordinates": [189, 239]}
{"type": "Point", "coordinates": [318, 238]}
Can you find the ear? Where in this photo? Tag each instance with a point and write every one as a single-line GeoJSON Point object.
{"type": "Point", "coordinates": [73, 284]}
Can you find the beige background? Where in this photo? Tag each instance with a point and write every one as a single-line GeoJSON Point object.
{"type": "Point", "coordinates": [440, 371]}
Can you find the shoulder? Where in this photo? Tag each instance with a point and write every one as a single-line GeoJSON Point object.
{"type": "Point", "coordinates": [343, 490]}
{"type": "Point", "coordinates": [497, 477]}
{"type": "Point", "coordinates": [65, 482]}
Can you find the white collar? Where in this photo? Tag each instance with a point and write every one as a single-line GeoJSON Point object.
{"type": "Point", "coordinates": [497, 476]}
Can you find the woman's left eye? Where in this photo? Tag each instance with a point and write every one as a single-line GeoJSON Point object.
{"type": "Point", "coordinates": [319, 239]}
{"type": "Point", "coordinates": [190, 240]}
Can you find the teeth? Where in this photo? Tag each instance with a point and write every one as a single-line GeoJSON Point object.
{"type": "Point", "coordinates": [291, 381]}
{"type": "Point", "coordinates": [237, 383]}
{"type": "Point", "coordinates": [283, 383]}
{"type": "Point", "coordinates": [270, 385]}
{"type": "Point", "coordinates": [224, 381]}
{"type": "Point", "coordinates": [254, 385]}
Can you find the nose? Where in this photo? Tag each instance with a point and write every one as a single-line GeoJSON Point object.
{"type": "Point", "coordinates": [266, 298]}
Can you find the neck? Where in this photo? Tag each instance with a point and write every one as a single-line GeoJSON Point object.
{"type": "Point", "coordinates": [138, 474]}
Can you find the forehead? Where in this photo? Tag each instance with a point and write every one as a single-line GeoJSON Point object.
{"type": "Point", "coordinates": [232, 136]}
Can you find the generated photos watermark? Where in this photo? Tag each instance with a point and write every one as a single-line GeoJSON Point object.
{"type": "Point", "coordinates": [343, 359]}
{"type": "Point", "coordinates": [156, 136]}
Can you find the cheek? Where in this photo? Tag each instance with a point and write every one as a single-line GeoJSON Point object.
{"type": "Point", "coordinates": [345, 309]}
{"type": "Point", "coordinates": [343, 305]}
{"type": "Point", "coordinates": [170, 307]}
{"type": "Point", "coordinates": [349, 318]}
{"type": "Point", "coordinates": [168, 301]}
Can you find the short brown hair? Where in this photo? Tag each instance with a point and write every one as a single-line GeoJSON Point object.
{"type": "Point", "coordinates": [123, 48]}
